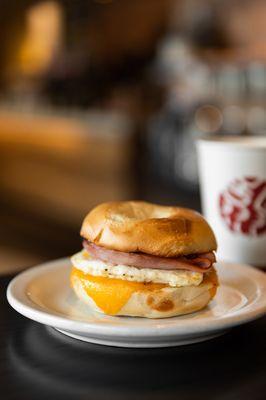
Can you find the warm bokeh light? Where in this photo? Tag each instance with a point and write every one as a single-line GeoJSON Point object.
{"type": "Point", "coordinates": [105, 99]}
{"type": "Point", "coordinates": [42, 37]}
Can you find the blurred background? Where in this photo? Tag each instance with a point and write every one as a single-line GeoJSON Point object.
{"type": "Point", "coordinates": [103, 100]}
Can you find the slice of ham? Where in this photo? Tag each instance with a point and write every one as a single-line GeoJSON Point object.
{"type": "Point", "coordinates": [198, 263]}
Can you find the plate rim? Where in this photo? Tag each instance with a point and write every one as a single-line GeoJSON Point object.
{"type": "Point", "coordinates": [18, 299]}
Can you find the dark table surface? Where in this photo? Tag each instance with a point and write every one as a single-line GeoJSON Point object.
{"type": "Point", "coordinates": [37, 362]}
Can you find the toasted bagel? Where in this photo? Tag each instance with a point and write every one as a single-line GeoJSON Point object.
{"type": "Point", "coordinates": [116, 297]}
{"type": "Point", "coordinates": [137, 226]}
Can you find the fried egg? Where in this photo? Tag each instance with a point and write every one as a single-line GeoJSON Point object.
{"type": "Point", "coordinates": [175, 278]}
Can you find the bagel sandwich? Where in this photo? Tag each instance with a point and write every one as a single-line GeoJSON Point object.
{"type": "Point", "coordinates": [145, 260]}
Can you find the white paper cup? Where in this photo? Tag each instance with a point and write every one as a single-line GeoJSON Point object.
{"type": "Point", "coordinates": [232, 174]}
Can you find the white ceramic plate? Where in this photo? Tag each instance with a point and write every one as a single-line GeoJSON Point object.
{"type": "Point", "coordinates": [43, 294]}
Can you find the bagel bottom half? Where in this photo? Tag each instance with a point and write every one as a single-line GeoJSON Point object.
{"type": "Point", "coordinates": [124, 298]}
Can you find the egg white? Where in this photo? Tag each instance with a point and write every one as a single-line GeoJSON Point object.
{"type": "Point", "coordinates": [84, 262]}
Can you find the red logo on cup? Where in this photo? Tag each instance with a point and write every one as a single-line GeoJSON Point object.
{"type": "Point", "coordinates": [243, 206]}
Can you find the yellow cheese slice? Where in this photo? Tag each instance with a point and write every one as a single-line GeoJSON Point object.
{"type": "Point", "coordinates": [110, 295]}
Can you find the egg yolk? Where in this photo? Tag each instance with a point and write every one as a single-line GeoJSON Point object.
{"type": "Point", "coordinates": [109, 294]}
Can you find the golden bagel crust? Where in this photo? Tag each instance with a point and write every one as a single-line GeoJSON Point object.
{"type": "Point", "coordinates": [163, 303]}
{"type": "Point", "coordinates": [138, 226]}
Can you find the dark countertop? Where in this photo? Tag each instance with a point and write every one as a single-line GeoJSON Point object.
{"type": "Point", "coordinates": [37, 362]}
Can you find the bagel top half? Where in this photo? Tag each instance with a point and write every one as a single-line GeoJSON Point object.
{"type": "Point", "coordinates": [138, 226]}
